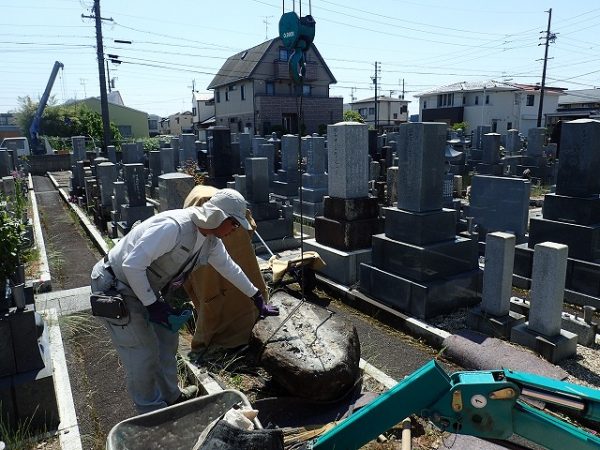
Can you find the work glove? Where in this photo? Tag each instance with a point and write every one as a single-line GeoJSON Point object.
{"type": "Point", "coordinates": [264, 309]}
{"type": "Point", "coordinates": [163, 314]}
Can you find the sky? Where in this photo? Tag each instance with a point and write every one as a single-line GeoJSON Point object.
{"type": "Point", "coordinates": [180, 44]}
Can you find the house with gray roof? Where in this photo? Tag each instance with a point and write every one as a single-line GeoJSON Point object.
{"type": "Point", "coordinates": [253, 92]}
{"type": "Point", "coordinates": [498, 104]}
{"type": "Point", "coordinates": [577, 104]}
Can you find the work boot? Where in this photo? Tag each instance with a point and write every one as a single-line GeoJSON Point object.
{"type": "Point", "coordinates": [187, 393]}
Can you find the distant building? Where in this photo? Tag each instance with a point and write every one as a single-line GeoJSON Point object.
{"type": "Point", "coordinates": [154, 124]}
{"type": "Point", "coordinates": [498, 104]}
{"type": "Point", "coordinates": [203, 110]}
{"type": "Point", "coordinates": [391, 111]}
{"type": "Point", "coordinates": [8, 126]}
{"type": "Point", "coordinates": [253, 91]}
{"type": "Point", "coordinates": [577, 104]}
{"type": "Point", "coordinates": [178, 123]}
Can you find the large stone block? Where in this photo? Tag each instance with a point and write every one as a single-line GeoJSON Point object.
{"type": "Point", "coordinates": [583, 240]}
{"type": "Point", "coordinates": [420, 228]}
{"type": "Point", "coordinates": [135, 191]}
{"type": "Point", "coordinates": [431, 262]}
{"type": "Point", "coordinates": [345, 235]}
{"type": "Point", "coordinates": [497, 276]}
{"type": "Point", "coordinates": [173, 188]}
{"type": "Point", "coordinates": [552, 348]}
{"type": "Point", "coordinates": [583, 211]}
{"type": "Point", "coordinates": [280, 228]}
{"type": "Point", "coordinates": [579, 159]}
{"type": "Point", "coordinates": [7, 354]}
{"type": "Point", "coordinates": [257, 179]}
{"type": "Point", "coordinates": [131, 214]}
{"type": "Point", "coordinates": [421, 166]}
{"type": "Point", "coordinates": [25, 331]}
{"type": "Point", "coordinates": [308, 209]}
{"type": "Point", "coordinates": [421, 300]}
{"type": "Point", "coordinates": [313, 195]}
{"type": "Point", "coordinates": [348, 166]}
{"type": "Point", "coordinates": [265, 211]}
{"type": "Point", "coordinates": [350, 209]}
{"type": "Point", "coordinates": [341, 267]}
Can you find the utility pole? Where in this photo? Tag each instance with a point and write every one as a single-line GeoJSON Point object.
{"type": "Point", "coordinates": [402, 88]}
{"type": "Point", "coordinates": [266, 22]}
{"type": "Point", "coordinates": [550, 37]}
{"type": "Point", "coordinates": [100, 54]}
{"type": "Point", "coordinates": [377, 66]}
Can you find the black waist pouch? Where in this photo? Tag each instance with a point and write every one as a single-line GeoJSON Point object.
{"type": "Point", "coordinates": [109, 305]}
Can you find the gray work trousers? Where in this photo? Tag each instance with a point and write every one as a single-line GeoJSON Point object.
{"type": "Point", "coordinates": [147, 350]}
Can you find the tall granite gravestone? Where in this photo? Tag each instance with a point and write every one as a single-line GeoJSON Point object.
{"type": "Point", "coordinates": [542, 332]}
{"type": "Point", "coordinates": [131, 153]}
{"type": "Point", "coordinates": [155, 170]}
{"type": "Point", "coordinates": [500, 204]}
{"type": "Point", "coordinates": [274, 225]}
{"type": "Point", "coordinates": [78, 145]}
{"type": "Point", "coordinates": [111, 153]}
{"type": "Point", "coordinates": [135, 196]}
{"type": "Point", "coordinates": [26, 385]}
{"type": "Point", "coordinates": [177, 151]}
{"type": "Point", "coordinates": [173, 188]}
{"type": "Point", "coordinates": [350, 217]}
{"type": "Point", "coordinates": [490, 159]}
{"type": "Point", "coordinates": [288, 177]}
{"type": "Point", "coordinates": [189, 148]}
{"type": "Point", "coordinates": [493, 316]}
{"type": "Point", "coordinates": [5, 163]}
{"type": "Point", "coordinates": [221, 161]}
{"type": "Point", "coordinates": [244, 139]}
{"type": "Point", "coordinates": [257, 141]}
{"type": "Point", "coordinates": [267, 151]}
{"type": "Point", "coordinates": [314, 180]}
{"type": "Point", "coordinates": [167, 159]}
{"type": "Point", "coordinates": [419, 265]}
{"type": "Point", "coordinates": [117, 199]}
{"type": "Point", "coordinates": [571, 215]}
{"type": "Point", "coordinates": [106, 173]}
{"type": "Point", "coordinates": [513, 142]}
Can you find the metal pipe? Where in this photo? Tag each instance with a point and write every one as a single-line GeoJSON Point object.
{"type": "Point", "coordinates": [406, 434]}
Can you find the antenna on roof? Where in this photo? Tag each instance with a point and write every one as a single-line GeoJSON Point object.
{"type": "Point", "coordinates": [266, 22]}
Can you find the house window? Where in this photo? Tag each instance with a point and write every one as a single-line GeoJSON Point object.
{"type": "Point", "coordinates": [371, 111]}
{"type": "Point", "coordinates": [194, 111]}
{"type": "Point", "coordinates": [363, 112]}
{"type": "Point", "coordinates": [509, 125]}
{"type": "Point", "coordinates": [425, 105]}
{"type": "Point", "coordinates": [464, 100]}
{"type": "Point", "coordinates": [283, 54]}
{"type": "Point", "coordinates": [487, 99]}
{"type": "Point", "coordinates": [270, 88]}
{"type": "Point", "coordinates": [477, 99]}
{"type": "Point", "coordinates": [395, 115]}
{"type": "Point", "coordinates": [218, 95]}
{"type": "Point", "coordinates": [445, 100]}
{"type": "Point", "coordinates": [125, 130]}
{"type": "Point", "coordinates": [306, 89]}
{"type": "Point", "coordinates": [243, 92]}
{"type": "Point", "coordinates": [530, 99]}
{"type": "Point", "coordinates": [226, 95]}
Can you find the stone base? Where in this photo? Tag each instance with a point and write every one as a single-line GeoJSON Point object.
{"type": "Point", "coordinates": [276, 245]}
{"type": "Point", "coordinates": [342, 267]}
{"type": "Point", "coordinates": [584, 211]}
{"type": "Point", "coordinates": [420, 228]}
{"type": "Point", "coordinates": [122, 229]}
{"type": "Point", "coordinates": [489, 169]}
{"type": "Point", "coordinates": [551, 348]}
{"type": "Point", "coordinates": [218, 182]}
{"type": "Point", "coordinates": [495, 326]}
{"type": "Point", "coordinates": [285, 189]}
{"type": "Point", "coordinates": [132, 214]}
{"type": "Point", "coordinates": [280, 228]}
{"type": "Point", "coordinates": [20, 350]}
{"type": "Point", "coordinates": [350, 209]}
{"type": "Point", "coordinates": [583, 240]}
{"type": "Point", "coordinates": [309, 209]}
{"type": "Point", "coordinates": [346, 235]}
{"type": "Point", "coordinates": [421, 300]}
{"type": "Point", "coordinates": [265, 211]}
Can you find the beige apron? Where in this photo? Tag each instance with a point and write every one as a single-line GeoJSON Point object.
{"type": "Point", "coordinates": [225, 315]}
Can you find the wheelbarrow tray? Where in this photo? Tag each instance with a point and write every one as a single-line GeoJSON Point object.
{"type": "Point", "coordinates": [173, 427]}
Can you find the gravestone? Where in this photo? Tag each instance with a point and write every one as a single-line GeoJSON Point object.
{"type": "Point", "coordinates": [244, 139]}
{"type": "Point", "coordinates": [131, 153]}
{"type": "Point", "coordinates": [154, 166]}
{"type": "Point", "coordinates": [500, 204]}
{"type": "Point", "coordinates": [267, 151]}
{"type": "Point", "coordinates": [173, 188]}
{"type": "Point", "coordinates": [350, 217]}
{"type": "Point", "coordinates": [536, 140]}
{"type": "Point", "coordinates": [78, 145]}
{"type": "Point", "coordinates": [189, 147]}
{"type": "Point", "coordinates": [111, 153]}
{"type": "Point", "coordinates": [392, 186]}
{"type": "Point", "coordinates": [493, 316]}
{"type": "Point", "coordinates": [117, 200]}
{"type": "Point", "coordinates": [177, 151]}
{"type": "Point", "coordinates": [543, 333]}
{"type": "Point", "coordinates": [220, 158]}
{"type": "Point", "coordinates": [490, 162]}
{"type": "Point", "coordinates": [135, 196]}
{"type": "Point", "coordinates": [273, 225]}
{"type": "Point", "coordinates": [26, 374]}
{"type": "Point", "coordinates": [288, 177]}
{"type": "Point", "coordinates": [106, 173]}
{"type": "Point", "coordinates": [167, 160]}
{"type": "Point", "coordinates": [513, 142]}
{"type": "Point", "coordinates": [314, 180]}
{"type": "Point", "coordinates": [419, 265]}
{"type": "Point", "coordinates": [257, 141]}
{"type": "Point", "coordinates": [5, 163]}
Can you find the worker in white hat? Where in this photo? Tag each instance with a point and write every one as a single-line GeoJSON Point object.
{"type": "Point", "coordinates": [152, 258]}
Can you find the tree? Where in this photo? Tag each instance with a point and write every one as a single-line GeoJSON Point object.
{"type": "Point", "coordinates": [353, 116]}
{"type": "Point", "coordinates": [64, 121]}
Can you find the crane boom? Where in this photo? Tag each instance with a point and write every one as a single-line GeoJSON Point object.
{"type": "Point", "coordinates": [34, 129]}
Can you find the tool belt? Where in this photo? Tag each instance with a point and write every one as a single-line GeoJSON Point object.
{"type": "Point", "coordinates": [110, 304]}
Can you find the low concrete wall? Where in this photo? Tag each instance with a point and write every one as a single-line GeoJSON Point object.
{"type": "Point", "coordinates": [40, 164]}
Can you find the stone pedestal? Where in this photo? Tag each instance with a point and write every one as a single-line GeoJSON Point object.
{"type": "Point", "coordinates": [26, 383]}
{"type": "Point", "coordinates": [419, 265]}
{"type": "Point", "coordinates": [173, 188]}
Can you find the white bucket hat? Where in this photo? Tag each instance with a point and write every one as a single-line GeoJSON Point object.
{"type": "Point", "coordinates": [223, 204]}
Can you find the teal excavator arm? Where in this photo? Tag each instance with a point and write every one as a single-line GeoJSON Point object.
{"type": "Point", "coordinates": [485, 404]}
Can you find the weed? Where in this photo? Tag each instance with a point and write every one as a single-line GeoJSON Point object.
{"type": "Point", "coordinates": [19, 436]}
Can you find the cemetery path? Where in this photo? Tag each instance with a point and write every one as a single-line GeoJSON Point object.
{"type": "Point", "coordinates": [70, 253]}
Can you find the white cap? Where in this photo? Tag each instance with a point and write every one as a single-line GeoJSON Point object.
{"type": "Point", "coordinates": [223, 204]}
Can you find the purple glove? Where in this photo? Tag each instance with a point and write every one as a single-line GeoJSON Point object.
{"type": "Point", "coordinates": [159, 313]}
{"type": "Point", "coordinates": [264, 309]}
